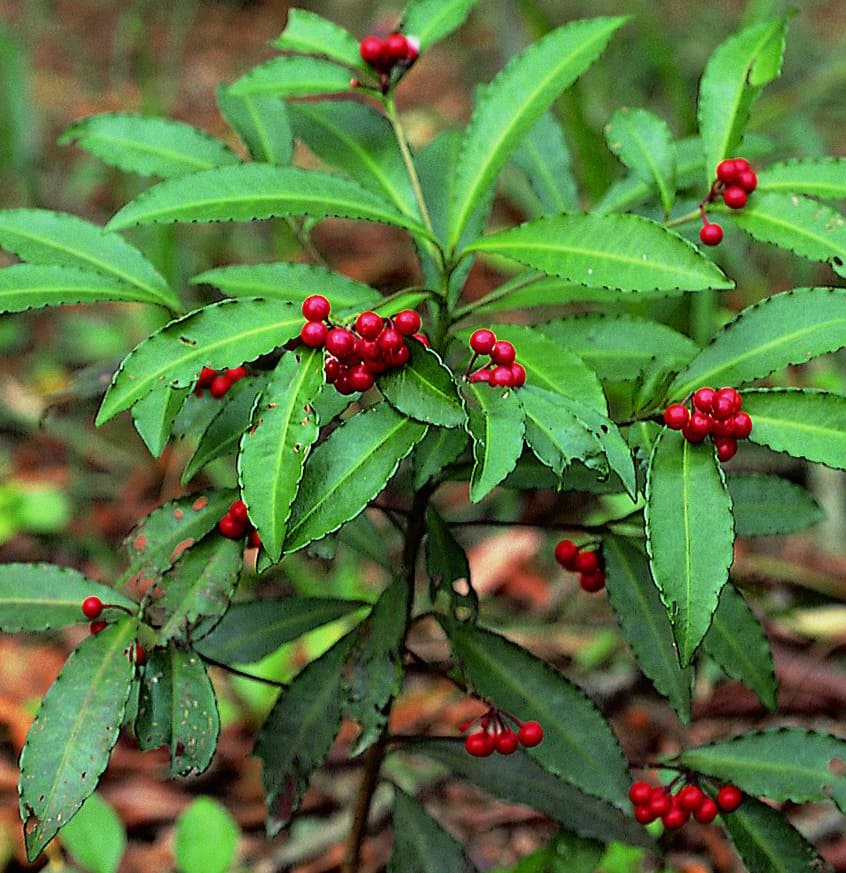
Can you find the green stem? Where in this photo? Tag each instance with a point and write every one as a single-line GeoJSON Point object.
{"type": "Point", "coordinates": [693, 215]}
{"type": "Point", "coordinates": [506, 288]}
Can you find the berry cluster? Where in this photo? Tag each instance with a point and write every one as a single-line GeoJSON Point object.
{"type": "Point", "coordinates": [395, 50]}
{"type": "Point", "coordinates": [219, 381]}
{"type": "Point", "coordinates": [586, 562]}
{"type": "Point", "coordinates": [92, 608]}
{"type": "Point", "coordinates": [652, 802]}
{"type": "Point", "coordinates": [236, 524]}
{"type": "Point", "coordinates": [502, 371]}
{"type": "Point", "coordinates": [495, 734]}
{"type": "Point", "coordinates": [355, 357]}
{"type": "Point", "coordinates": [714, 413]}
{"type": "Point", "coordinates": [735, 181]}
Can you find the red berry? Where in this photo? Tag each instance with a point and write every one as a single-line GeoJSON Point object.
{"type": "Point", "coordinates": [315, 308]}
{"type": "Point", "coordinates": [395, 48]}
{"type": "Point", "coordinates": [660, 803]}
{"type": "Point", "coordinates": [372, 52]}
{"type": "Point", "coordinates": [689, 797]}
{"type": "Point", "coordinates": [254, 540]}
{"type": "Point", "coordinates": [726, 403]}
{"type": "Point", "coordinates": [735, 197]}
{"type": "Point", "coordinates": [340, 342]}
{"type": "Point", "coordinates": [592, 582]}
{"type": "Point", "coordinates": [640, 792]}
{"type": "Point", "coordinates": [234, 374]}
{"type": "Point", "coordinates": [231, 528]}
{"type": "Point", "coordinates": [503, 353]}
{"type": "Point", "coordinates": [706, 812]}
{"type": "Point", "coordinates": [479, 744]}
{"type": "Point", "coordinates": [361, 379]}
{"type": "Point", "coordinates": [566, 552]}
{"type": "Point", "coordinates": [506, 742]}
{"type": "Point", "coordinates": [219, 386]}
{"type": "Point", "coordinates": [97, 626]}
{"type": "Point", "coordinates": [207, 374]}
{"type": "Point", "coordinates": [676, 416]}
{"type": "Point", "coordinates": [238, 511]}
{"type": "Point", "coordinates": [729, 798]}
{"type": "Point", "coordinates": [92, 607]}
{"type": "Point", "coordinates": [703, 399]}
{"type": "Point", "coordinates": [368, 325]}
{"type": "Point", "coordinates": [342, 383]}
{"type": "Point", "coordinates": [644, 815]}
{"type": "Point", "coordinates": [483, 375]}
{"type": "Point", "coordinates": [313, 334]}
{"type": "Point", "coordinates": [587, 562]}
{"type": "Point", "coordinates": [390, 340]}
{"type": "Point", "coordinates": [413, 50]}
{"type": "Point", "coordinates": [399, 357]}
{"type": "Point", "coordinates": [741, 425]}
{"type": "Point", "coordinates": [726, 447]}
{"type": "Point", "coordinates": [332, 368]}
{"type": "Point", "coordinates": [741, 165]}
{"type": "Point", "coordinates": [136, 654]}
{"type": "Point", "coordinates": [501, 377]}
{"type": "Point", "coordinates": [407, 322]}
{"type": "Point", "coordinates": [422, 338]}
{"type": "Point", "coordinates": [698, 427]}
{"type": "Point", "coordinates": [518, 375]}
{"type": "Point", "coordinates": [748, 181]}
{"type": "Point", "coordinates": [482, 341]}
{"type": "Point", "coordinates": [530, 734]}
{"type": "Point", "coordinates": [727, 171]}
{"type": "Point", "coordinates": [711, 234]}
{"type": "Point", "coordinates": [674, 818]}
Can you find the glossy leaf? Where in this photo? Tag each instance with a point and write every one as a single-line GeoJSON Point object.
{"type": "Point", "coordinates": [424, 389]}
{"type": "Point", "coordinates": [623, 252]}
{"type": "Point", "coordinates": [508, 107]}
{"type": "Point", "coordinates": [309, 33]}
{"type": "Point", "coordinates": [738, 643]}
{"type": "Point", "coordinates": [420, 844]}
{"type": "Point", "coordinates": [578, 745]}
{"type": "Point", "coordinates": [220, 335]}
{"type": "Point", "coordinates": [253, 191]}
{"type": "Point", "coordinates": [644, 623]}
{"type": "Point", "coordinates": [293, 76]}
{"type": "Point", "coordinates": [298, 733]}
{"type": "Point", "coordinates": [148, 145]}
{"type": "Point", "coordinates": [766, 841]}
{"type": "Point", "coordinates": [153, 416]}
{"type": "Point", "coordinates": [448, 568]}
{"type": "Point", "coordinates": [530, 290]}
{"type": "Point", "coordinates": [689, 535]}
{"type": "Point", "coordinates": [521, 778]}
{"type": "Point", "coordinates": [290, 281]}
{"type": "Point", "coordinates": [759, 502]}
{"type": "Point", "coordinates": [805, 424]}
{"type": "Point", "coordinates": [200, 585]}
{"type": "Point", "coordinates": [643, 142]}
{"type": "Point", "coordinates": [38, 597]}
{"type": "Point", "coordinates": [95, 836]}
{"type": "Point", "coordinates": [431, 20]}
{"type": "Point", "coordinates": [346, 471]}
{"type": "Point", "coordinates": [253, 629]}
{"type": "Point", "coordinates": [495, 422]}
{"type": "Point", "coordinates": [733, 78]}
{"type": "Point", "coordinates": [274, 451]}
{"type": "Point", "coordinates": [261, 123]}
{"type": "Point", "coordinates": [75, 729]}
{"type": "Point", "coordinates": [816, 177]}
{"type": "Point", "coordinates": [779, 331]}
{"type": "Point", "coordinates": [544, 158]}
{"type": "Point", "coordinates": [153, 717]}
{"type": "Point", "coordinates": [801, 225]}
{"type": "Point", "coordinates": [359, 141]}
{"type": "Point", "coordinates": [782, 763]}
{"type": "Point", "coordinates": [59, 239]}
{"type": "Point", "coordinates": [437, 450]}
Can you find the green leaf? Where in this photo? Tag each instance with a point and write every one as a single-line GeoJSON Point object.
{"type": "Point", "coordinates": [424, 389]}
{"type": "Point", "coordinates": [309, 33]}
{"type": "Point", "coordinates": [782, 763]}
{"type": "Point", "coordinates": [220, 335]}
{"type": "Point", "coordinates": [732, 80]}
{"type": "Point", "coordinates": [155, 701]}
{"type": "Point", "coordinates": [689, 535]}
{"type": "Point", "coordinates": [290, 281]}
{"type": "Point", "coordinates": [805, 424]}
{"type": "Point", "coordinates": [622, 252]}
{"type": "Point", "coordinates": [38, 597]}
{"type": "Point", "coordinates": [262, 124]}
{"type": "Point", "coordinates": [544, 158]}
{"type": "Point", "coordinates": [153, 416]}
{"type": "Point", "coordinates": [738, 643]}
{"type": "Point", "coordinates": [779, 331]}
{"type": "Point", "coordinates": [436, 451]}
{"type": "Point", "coordinates": [359, 141]}
{"type": "Point", "coordinates": [74, 731]}
{"type": "Point", "coordinates": [420, 844]}
{"type": "Point", "coordinates": [446, 565]}
{"type": "Point", "coordinates": [643, 142]}
{"type": "Point", "coordinates": [293, 76]}
{"type": "Point", "coordinates": [643, 621]}
{"type": "Point", "coordinates": [495, 422]}
{"type": "Point", "coordinates": [254, 629]}
{"type": "Point", "coordinates": [273, 452]}
{"type": "Point", "coordinates": [760, 500]}
{"type": "Point", "coordinates": [431, 20]}
{"type": "Point", "coordinates": [158, 540]}
{"type": "Point", "coordinates": [619, 347]}
{"type": "Point", "coordinates": [148, 145]}
{"type": "Point", "coordinates": [95, 836]}
{"type": "Point", "coordinates": [766, 841]}
{"type": "Point", "coordinates": [511, 104]}
{"type": "Point", "coordinates": [252, 191]}
{"type": "Point", "coordinates": [205, 837]}
{"type": "Point", "coordinates": [802, 225]}
{"type": "Point", "coordinates": [578, 745]}
{"type": "Point", "coordinates": [564, 853]}
{"type": "Point", "coordinates": [200, 585]}
{"type": "Point", "coordinates": [346, 471]}
{"type": "Point", "coordinates": [520, 778]}
{"type": "Point", "coordinates": [373, 674]}
{"type": "Point", "coordinates": [59, 239]}
{"type": "Point", "coordinates": [817, 177]}
{"type": "Point", "coordinates": [298, 733]}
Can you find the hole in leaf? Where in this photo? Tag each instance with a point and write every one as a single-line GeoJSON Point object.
{"type": "Point", "coordinates": [838, 767]}
{"type": "Point", "coordinates": [461, 586]}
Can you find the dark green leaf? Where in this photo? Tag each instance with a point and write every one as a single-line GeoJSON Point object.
{"type": "Point", "coordinates": [817, 177]}
{"type": "Point", "coordinates": [578, 745]}
{"type": "Point", "coordinates": [689, 534]}
{"type": "Point", "coordinates": [436, 451]}
{"type": "Point", "coordinates": [737, 642]}
{"type": "Point", "coordinates": [643, 621]}
{"type": "Point", "coordinates": [293, 76]}
{"type": "Point", "coordinates": [448, 568]}
{"type": "Point", "coordinates": [767, 505]}
{"type": "Point", "coordinates": [346, 471]}
{"type": "Point", "coordinates": [153, 416]}
{"type": "Point", "coordinates": [195, 723]}
{"type": "Point", "coordinates": [95, 836]}
{"type": "Point", "coordinates": [155, 701]}
{"type": "Point", "coordinates": [74, 731]}
{"type": "Point", "coordinates": [311, 34]}
{"type": "Point", "coordinates": [262, 124]}
{"type": "Point", "coordinates": [544, 158]}
{"type": "Point", "coordinates": [431, 20]}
